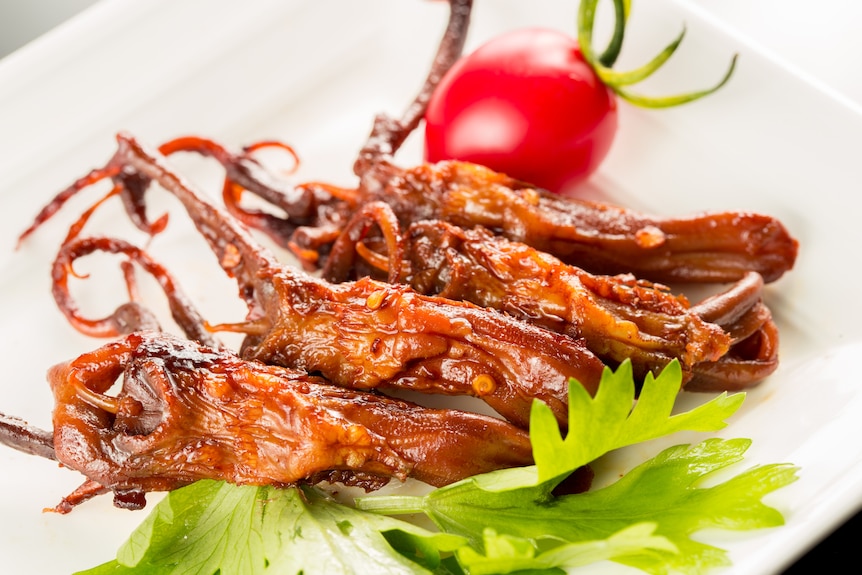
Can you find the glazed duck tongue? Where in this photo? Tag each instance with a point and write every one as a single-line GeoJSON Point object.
{"type": "Point", "coordinates": [187, 412]}
{"type": "Point", "coordinates": [600, 238]}
{"type": "Point", "coordinates": [369, 334]}
{"type": "Point", "coordinates": [728, 337]}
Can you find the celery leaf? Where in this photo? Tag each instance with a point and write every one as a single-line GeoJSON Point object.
{"type": "Point", "coordinates": [570, 529]}
{"type": "Point", "coordinates": [512, 554]}
{"type": "Point", "coordinates": [212, 527]}
{"type": "Point", "coordinates": [600, 424]}
{"type": "Point", "coordinates": [513, 516]}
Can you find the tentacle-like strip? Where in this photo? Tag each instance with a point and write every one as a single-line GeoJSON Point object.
{"type": "Point", "coordinates": [342, 260]}
{"type": "Point", "coordinates": [131, 316]}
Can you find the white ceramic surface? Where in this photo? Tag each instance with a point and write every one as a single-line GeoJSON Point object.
{"type": "Point", "coordinates": [314, 75]}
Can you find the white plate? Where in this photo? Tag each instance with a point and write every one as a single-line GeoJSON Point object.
{"type": "Point", "coordinates": [314, 74]}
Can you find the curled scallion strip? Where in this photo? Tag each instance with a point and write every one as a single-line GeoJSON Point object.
{"type": "Point", "coordinates": [616, 80]}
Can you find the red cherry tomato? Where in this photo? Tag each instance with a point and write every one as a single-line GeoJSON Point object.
{"type": "Point", "coordinates": [526, 104]}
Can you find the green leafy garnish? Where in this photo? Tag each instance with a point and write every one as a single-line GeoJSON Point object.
{"type": "Point", "coordinates": [502, 522]}
{"type": "Point", "coordinates": [615, 80]}
{"type": "Point", "coordinates": [600, 424]}
{"type": "Point", "coordinates": [661, 494]}
{"type": "Point", "coordinates": [213, 527]}
{"type": "Point", "coordinates": [509, 554]}
{"type": "Point", "coordinates": [663, 491]}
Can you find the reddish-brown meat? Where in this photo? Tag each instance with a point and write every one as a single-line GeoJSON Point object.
{"type": "Point", "coordinates": [618, 317]}
{"type": "Point", "coordinates": [187, 412]}
{"type": "Point", "coordinates": [368, 334]}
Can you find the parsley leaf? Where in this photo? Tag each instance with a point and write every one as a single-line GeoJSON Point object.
{"type": "Point", "coordinates": [663, 492]}
{"type": "Point", "coordinates": [212, 527]}
{"type": "Point", "coordinates": [600, 424]}
{"type": "Point", "coordinates": [526, 520]}
{"type": "Point", "coordinates": [509, 554]}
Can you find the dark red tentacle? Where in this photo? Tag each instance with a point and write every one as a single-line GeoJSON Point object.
{"type": "Point", "coordinates": [65, 195]}
{"type": "Point", "coordinates": [388, 134]}
{"type": "Point", "coordinates": [342, 258]}
{"type": "Point", "coordinates": [131, 316]}
{"type": "Point", "coordinates": [18, 434]}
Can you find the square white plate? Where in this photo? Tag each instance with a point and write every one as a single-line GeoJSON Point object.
{"type": "Point", "coordinates": [314, 74]}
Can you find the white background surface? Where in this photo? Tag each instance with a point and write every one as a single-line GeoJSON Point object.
{"type": "Point", "coordinates": [23, 20]}
{"type": "Point", "coordinates": [820, 39]}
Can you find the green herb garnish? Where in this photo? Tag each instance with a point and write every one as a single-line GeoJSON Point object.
{"type": "Point", "coordinates": [617, 81]}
